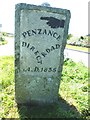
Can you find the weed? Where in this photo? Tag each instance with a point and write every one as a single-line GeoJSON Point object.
{"type": "Point", "coordinates": [73, 90]}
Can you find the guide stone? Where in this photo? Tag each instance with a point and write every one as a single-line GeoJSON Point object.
{"type": "Point", "coordinates": [40, 39]}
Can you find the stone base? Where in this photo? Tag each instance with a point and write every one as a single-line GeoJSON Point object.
{"type": "Point", "coordinates": [39, 90]}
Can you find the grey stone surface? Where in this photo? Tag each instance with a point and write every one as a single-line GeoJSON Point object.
{"type": "Point", "coordinates": [40, 39]}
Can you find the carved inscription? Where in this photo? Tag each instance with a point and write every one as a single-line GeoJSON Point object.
{"type": "Point", "coordinates": [34, 32]}
{"type": "Point", "coordinates": [37, 69]}
{"type": "Point", "coordinates": [41, 46]}
{"type": "Point", "coordinates": [39, 55]}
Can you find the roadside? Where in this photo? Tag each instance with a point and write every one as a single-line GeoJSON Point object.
{"type": "Point", "coordinates": [77, 56]}
{"type": "Point", "coordinates": [73, 52]}
{"type": "Point", "coordinates": [84, 49]}
{"type": "Point", "coordinates": [7, 49]}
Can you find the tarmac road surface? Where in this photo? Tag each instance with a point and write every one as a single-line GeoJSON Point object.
{"type": "Point", "coordinates": [78, 56]}
{"type": "Point", "coordinates": [8, 49]}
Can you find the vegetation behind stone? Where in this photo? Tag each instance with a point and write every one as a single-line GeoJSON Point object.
{"type": "Point", "coordinates": [83, 41]}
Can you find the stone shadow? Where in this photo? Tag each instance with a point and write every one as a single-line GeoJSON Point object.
{"type": "Point", "coordinates": [58, 110]}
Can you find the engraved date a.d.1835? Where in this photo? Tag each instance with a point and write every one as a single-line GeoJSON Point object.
{"type": "Point", "coordinates": [37, 69]}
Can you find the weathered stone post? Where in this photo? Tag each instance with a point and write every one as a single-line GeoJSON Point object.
{"type": "Point", "coordinates": [40, 39]}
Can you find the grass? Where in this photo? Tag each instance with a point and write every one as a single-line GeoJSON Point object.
{"type": "Point", "coordinates": [75, 77]}
{"type": "Point", "coordinates": [3, 42]}
{"type": "Point", "coordinates": [82, 41]}
{"type": "Point", "coordinates": [73, 93]}
{"type": "Point", "coordinates": [84, 49]}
